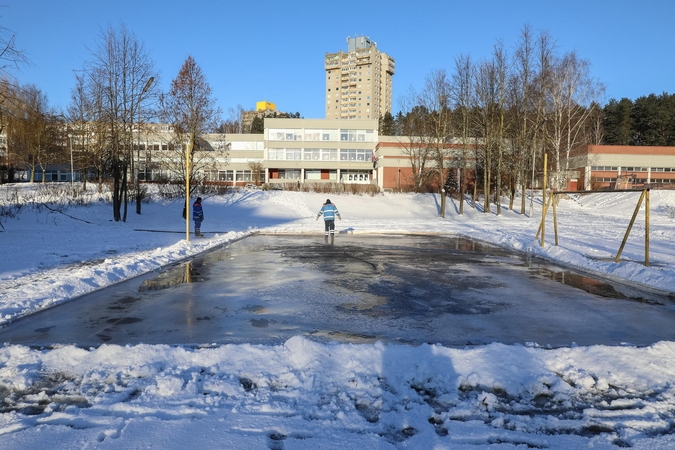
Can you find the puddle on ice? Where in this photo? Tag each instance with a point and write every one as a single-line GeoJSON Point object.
{"type": "Point", "coordinates": [405, 289]}
{"type": "Point", "coordinates": [595, 286]}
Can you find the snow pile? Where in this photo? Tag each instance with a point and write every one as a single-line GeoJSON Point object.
{"type": "Point", "coordinates": [320, 396]}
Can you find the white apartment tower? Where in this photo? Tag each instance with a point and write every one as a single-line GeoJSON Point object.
{"type": "Point", "coordinates": [359, 81]}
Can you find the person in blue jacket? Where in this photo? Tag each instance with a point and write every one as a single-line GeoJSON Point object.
{"type": "Point", "coordinates": [198, 216]}
{"type": "Point", "coordinates": [329, 211]}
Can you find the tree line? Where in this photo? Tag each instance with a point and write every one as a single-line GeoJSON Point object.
{"type": "Point", "coordinates": [489, 122]}
{"type": "Point", "coordinates": [649, 120]}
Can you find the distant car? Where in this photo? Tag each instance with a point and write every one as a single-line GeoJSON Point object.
{"type": "Point", "coordinates": [251, 186]}
{"type": "Point", "coordinates": [277, 187]}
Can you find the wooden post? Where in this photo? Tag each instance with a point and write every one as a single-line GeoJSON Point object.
{"type": "Point", "coordinates": [187, 277]}
{"type": "Point", "coordinates": [543, 202]}
{"type": "Point", "coordinates": [630, 226]}
{"type": "Point", "coordinates": [555, 219]}
{"type": "Point", "coordinates": [546, 206]}
{"type": "Point", "coordinates": [647, 228]}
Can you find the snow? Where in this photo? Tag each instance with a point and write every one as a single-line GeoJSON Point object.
{"type": "Point", "coordinates": [305, 394]}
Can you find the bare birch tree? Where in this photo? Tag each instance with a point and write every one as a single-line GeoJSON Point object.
{"type": "Point", "coordinates": [32, 130]}
{"type": "Point", "coordinates": [463, 104]}
{"type": "Point", "coordinates": [118, 71]}
{"type": "Point", "coordinates": [436, 98]}
{"type": "Point", "coordinates": [487, 123]}
{"type": "Point", "coordinates": [11, 57]}
{"type": "Point", "coordinates": [416, 148]}
{"type": "Point", "coordinates": [501, 68]}
{"type": "Point", "coordinates": [523, 102]}
{"type": "Point", "coordinates": [571, 95]}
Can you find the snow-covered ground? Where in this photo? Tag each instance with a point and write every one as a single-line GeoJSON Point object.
{"type": "Point", "coordinates": [307, 395]}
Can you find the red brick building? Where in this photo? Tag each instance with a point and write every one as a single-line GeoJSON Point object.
{"type": "Point", "coordinates": [623, 166]}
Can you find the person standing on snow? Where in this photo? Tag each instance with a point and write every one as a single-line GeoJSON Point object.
{"type": "Point", "coordinates": [198, 216]}
{"type": "Point", "coordinates": [329, 212]}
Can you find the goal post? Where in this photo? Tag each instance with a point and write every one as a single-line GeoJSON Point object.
{"type": "Point", "coordinates": [644, 197]}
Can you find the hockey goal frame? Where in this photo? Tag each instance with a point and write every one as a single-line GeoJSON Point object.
{"type": "Point", "coordinates": [553, 201]}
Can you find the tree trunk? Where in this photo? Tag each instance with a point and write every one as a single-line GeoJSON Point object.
{"type": "Point", "coordinates": [117, 198]}
{"type": "Point", "coordinates": [523, 189]}
{"type": "Point", "coordinates": [486, 182]}
{"type": "Point", "coordinates": [498, 181]}
{"type": "Point", "coordinates": [125, 190]}
{"type": "Point", "coordinates": [461, 188]}
{"type": "Point", "coordinates": [442, 212]}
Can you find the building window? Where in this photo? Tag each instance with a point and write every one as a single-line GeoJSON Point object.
{"type": "Point", "coordinates": [357, 135]}
{"type": "Point", "coordinates": [315, 135]}
{"type": "Point", "coordinates": [329, 154]}
{"type": "Point", "coordinates": [284, 154]}
{"type": "Point", "coordinates": [225, 175]}
{"type": "Point", "coordinates": [312, 154]}
{"type": "Point", "coordinates": [244, 175]}
{"type": "Point", "coordinates": [355, 176]}
{"type": "Point", "coordinates": [355, 155]}
{"type": "Point", "coordinates": [312, 174]}
{"type": "Point", "coordinates": [289, 174]}
{"type": "Point", "coordinates": [279, 134]}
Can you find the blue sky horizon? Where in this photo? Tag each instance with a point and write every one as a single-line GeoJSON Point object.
{"type": "Point", "coordinates": [274, 51]}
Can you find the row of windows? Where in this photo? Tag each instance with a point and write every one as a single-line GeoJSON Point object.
{"type": "Point", "coordinates": [284, 154]}
{"type": "Point", "coordinates": [318, 154]}
{"type": "Point", "coordinates": [140, 147]}
{"type": "Point", "coordinates": [633, 169]}
{"type": "Point", "coordinates": [276, 134]}
{"type": "Point", "coordinates": [295, 174]}
{"type": "Point", "coordinates": [289, 174]}
{"type": "Point", "coordinates": [231, 175]}
{"type": "Point", "coordinates": [636, 180]}
{"type": "Point", "coordinates": [612, 180]}
{"type": "Point", "coordinates": [355, 176]}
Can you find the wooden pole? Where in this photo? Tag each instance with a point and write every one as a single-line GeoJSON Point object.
{"type": "Point", "coordinates": [630, 226]}
{"type": "Point", "coordinates": [546, 206]}
{"type": "Point", "coordinates": [647, 228]}
{"type": "Point", "coordinates": [555, 219]}
{"type": "Point", "coordinates": [543, 202]}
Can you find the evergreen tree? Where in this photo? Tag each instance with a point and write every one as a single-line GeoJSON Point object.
{"type": "Point", "coordinates": [387, 125]}
{"type": "Point", "coordinates": [258, 125]}
{"type": "Point", "coordinates": [654, 120]}
{"type": "Point", "coordinates": [649, 120]}
{"type": "Point", "coordinates": [618, 122]}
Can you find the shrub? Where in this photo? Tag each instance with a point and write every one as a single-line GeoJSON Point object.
{"type": "Point", "coordinates": [669, 210]}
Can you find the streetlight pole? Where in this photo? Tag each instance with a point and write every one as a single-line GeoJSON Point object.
{"type": "Point", "coordinates": [398, 180]}
{"type": "Point", "coordinates": [72, 171]}
{"type": "Point", "coordinates": [188, 168]}
{"type": "Point", "coordinates": [138, 149]}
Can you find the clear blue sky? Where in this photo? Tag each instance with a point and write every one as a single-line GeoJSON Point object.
{"type": "Point", "coordinates": [274, 50]}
